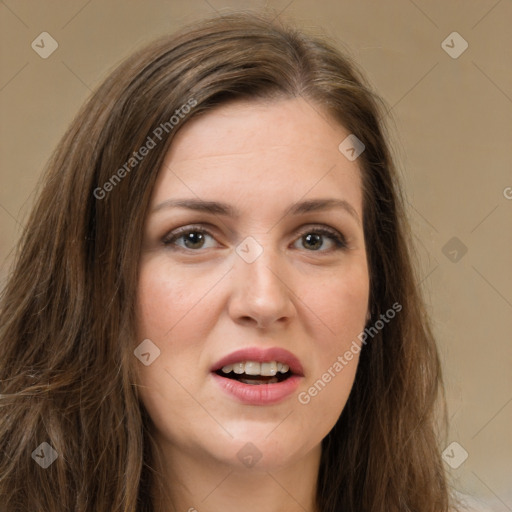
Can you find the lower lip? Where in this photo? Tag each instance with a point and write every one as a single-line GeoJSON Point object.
{"type": "Point", "coordinates": [258, 394]}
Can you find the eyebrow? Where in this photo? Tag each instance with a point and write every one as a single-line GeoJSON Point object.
{"type": "Point", "coordinates": [219, 208]}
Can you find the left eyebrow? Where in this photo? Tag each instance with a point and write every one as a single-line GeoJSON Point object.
{"type": "Point", "coordinates": [219, 208]}
{"type": "Point", "coordinates": [316, 205]}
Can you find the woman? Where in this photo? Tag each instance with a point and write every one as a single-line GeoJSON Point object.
{"type": "Point", "coordinates": [213, 305]}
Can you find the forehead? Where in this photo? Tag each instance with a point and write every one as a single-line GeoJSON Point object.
{"type": "Point", "coordinates": [281, 149]}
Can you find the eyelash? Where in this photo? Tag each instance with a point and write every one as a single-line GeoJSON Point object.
{"type": "Point", "coordinates": [338, 239]}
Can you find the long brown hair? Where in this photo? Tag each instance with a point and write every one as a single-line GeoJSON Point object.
{"type": "Point", "coordinates": [68, 310]}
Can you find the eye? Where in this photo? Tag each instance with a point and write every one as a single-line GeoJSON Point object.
{"type": "Point", "coordinates": [314, 239]}
{"type": "Point", "coordinates": [193, 237]}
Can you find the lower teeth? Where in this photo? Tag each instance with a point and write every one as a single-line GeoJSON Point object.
{"type": "Point", "coordinates": [273, 380]}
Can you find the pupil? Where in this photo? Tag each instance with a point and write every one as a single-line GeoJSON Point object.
{"type": "Point", "coordinates": [316, 239]}
{"type": "Point", "coordinates": [193, 238]}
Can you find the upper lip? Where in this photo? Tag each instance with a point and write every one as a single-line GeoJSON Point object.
{"type": "Point", "coordinates": [260, 355]}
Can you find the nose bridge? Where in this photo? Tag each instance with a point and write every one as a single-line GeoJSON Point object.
{"type": "Point", "coordinates": [259, 290]}
{"type": "Point", "coordinates": [259, 264]}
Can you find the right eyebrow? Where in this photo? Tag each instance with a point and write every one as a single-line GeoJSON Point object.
{"type": "Point", "coordinates": [199, 205]}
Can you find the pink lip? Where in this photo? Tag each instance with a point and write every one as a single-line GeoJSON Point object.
{"type": "Point", "coordinates": [260, 394]}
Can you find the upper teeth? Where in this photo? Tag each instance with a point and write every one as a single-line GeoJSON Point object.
{"type": "Point", "coordinates": [253, 368]}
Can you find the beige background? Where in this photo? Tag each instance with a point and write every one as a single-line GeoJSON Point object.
{"type": "Point", "coordinates": [452, 123]}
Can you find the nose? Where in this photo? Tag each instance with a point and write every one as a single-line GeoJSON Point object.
{"type": "Point", "coordinates": [262, 291]}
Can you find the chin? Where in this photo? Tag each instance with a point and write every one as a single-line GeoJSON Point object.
{"type": "Point", "coordinates": [258, 448]}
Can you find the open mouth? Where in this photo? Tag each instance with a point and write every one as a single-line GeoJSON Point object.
{"type": "Point", "coordinates": [255, 373]}
{"type": "Point", "coordinates": [253, 376]}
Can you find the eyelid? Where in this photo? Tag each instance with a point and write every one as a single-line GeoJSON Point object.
{"type": "Point", "coordinates": [176, 233]}
{"type": "Point", "coordinates": [336, 236]}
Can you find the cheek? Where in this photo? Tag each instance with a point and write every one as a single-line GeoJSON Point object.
{"type": "Point", "coordinates": [160, 301]}
{"type": "Point", "coordinates": [168, 310]}
{"type": "Point", "coordinates": [168, 313]}
{"type": "Point", "coordinates": [173, 312]}
{"type": "Point", "coordinates": [340, 303]}
{"type": "Point", "coordinates": [168, 299]}
{"type": "Point", "coordinates": [341, 306]}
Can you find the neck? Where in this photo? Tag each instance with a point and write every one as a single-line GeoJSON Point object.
{"type": "Point", "coordinates": [193, 484]}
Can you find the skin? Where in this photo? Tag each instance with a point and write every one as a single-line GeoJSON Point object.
{"type": "Point", "coordinates": [200, 302]}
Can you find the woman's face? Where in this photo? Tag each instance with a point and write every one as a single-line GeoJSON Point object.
{"type": "Point", "coordinates": [253, 253]}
